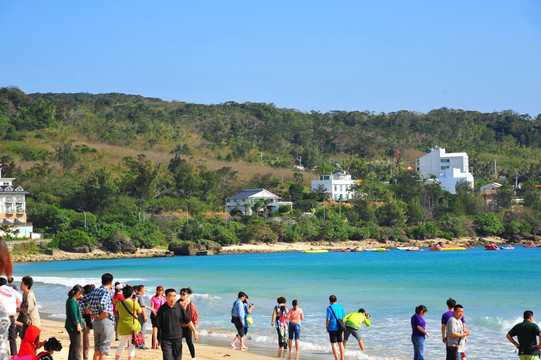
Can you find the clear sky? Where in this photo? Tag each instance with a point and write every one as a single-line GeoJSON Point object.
{"type": "Point", "coordinates": [379, 56]}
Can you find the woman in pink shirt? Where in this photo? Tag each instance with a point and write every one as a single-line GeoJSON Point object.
{"type": "Point", "coordinates": [155, 302]}
{"type": "Point", "coordinates": [295, 316]}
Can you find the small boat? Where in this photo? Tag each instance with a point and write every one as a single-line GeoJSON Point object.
{"type": "Point", "coordinates": [507, 247]}
{"type": "Point", "coordinates": [315, 251]}
{"type": "Point", "coordinates": [530, 245]}
{"type": "Point", "coordinates": [538, 245]}
{"type": "Point", "coordinates": [357, 249]}
{"type": "Point", "coordinates": [381, 250]}
{"type": "Point", "coordinates": [408, 248]}
{"type": "Point", "coordinates": [492, 247]}
{"type": "Point", "coordinates": [446, 247]}
{"type": "Point", "coordinates": [469, 247]}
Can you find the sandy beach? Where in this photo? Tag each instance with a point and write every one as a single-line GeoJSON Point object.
{"type": "Point", "coordinates": [59, 255]}
{"type": "Point", "coordinates": [203, 351]}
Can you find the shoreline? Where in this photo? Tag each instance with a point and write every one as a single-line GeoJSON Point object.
{"type": "Point", "coordinates": [59, 255]}
{"type": "Point", "coordinates": [206, 349]}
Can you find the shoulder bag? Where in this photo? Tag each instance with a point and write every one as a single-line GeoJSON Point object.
{"type": "Point", "coordinates": [339, 322]}
{"type": "Point", "coordinates": [137, 339]}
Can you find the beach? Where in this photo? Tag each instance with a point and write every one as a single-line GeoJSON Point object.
{"type": "Point", "coordinates": [51, 327]}
{"type": "Point", "coordinates": [59, 255]}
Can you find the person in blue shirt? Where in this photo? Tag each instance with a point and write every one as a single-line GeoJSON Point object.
{"type": "Point", "coordinates": [238, 317]}
{"type": "Point", "coordinates": [334, 312]}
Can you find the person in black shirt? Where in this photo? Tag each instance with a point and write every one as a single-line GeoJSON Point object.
{"type": "Point", "coordinates": [170, 318]}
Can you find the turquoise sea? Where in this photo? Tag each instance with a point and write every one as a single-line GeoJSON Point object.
{"type": "Point", "coordinates": [495, 287]}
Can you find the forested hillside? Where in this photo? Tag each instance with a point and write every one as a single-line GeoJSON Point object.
{"type": "Point", "coordinates": [122, 157]}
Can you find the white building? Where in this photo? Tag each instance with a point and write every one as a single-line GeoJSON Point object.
{"type": "Point", "coordinates": [336, 186]}
{"type": "Point", "coordinates": [13, 207]}
{"type": "Point", "coordinates": [245, 200]}
{"type": "Point", "coordinates": [448, 168]}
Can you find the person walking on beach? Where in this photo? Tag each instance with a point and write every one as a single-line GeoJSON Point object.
{"type": "Point", "coordinates": [353, 323]}
{"type": "Point", "coordinates": [334, 313]}
{"type": "Point", "coordinates": [169, 319]}
{"type": "Point", "coordinates": [418, 332]}
{"type": "Point", "coordinates": [10, 300]}
{"type": "Point", "coordinates": [28, 311]}
{"type": "Point", "coordinates": [247, 312]}
{"type": "Point", "coordinates": [74, 322]}
{"type": "Point", "coordinates": [278, 320]}
{"type": "Point", "coordinates": [189, 306]}
{"type": "Point", "coordinates": [456, 335]}
{"type": "Point", "coordinates": [447, 315]}
{"type": "Point", "coordinates": [527, 333]}
{"type": "Point", "coordinates": [295, 315]}
{"type": "Point", "coordinates": [99, 302]}
{"type": "Point", "coordinates": [142, 317]}
{"type": "Point", "coordinates": [155, 303]}
{"type": "Point", "coordinates": [238, 316]}
{"type": "Point", "coordinates": [127, 321]}
{"type": "Point", "coordinates": [87, 317]}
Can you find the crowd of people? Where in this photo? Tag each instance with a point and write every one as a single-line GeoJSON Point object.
{"type": "Point", "coordinates": [119, 312]}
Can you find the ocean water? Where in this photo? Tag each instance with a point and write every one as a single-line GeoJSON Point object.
{"type": "Point", "coordinates": [495, 287]}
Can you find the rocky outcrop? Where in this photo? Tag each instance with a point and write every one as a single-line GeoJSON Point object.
{"type": "Point", "coordinates": [119, 243]}
{"type": "Point", "coordinates": [79, 249]}
{"type": "Point", "coordinates": [194, 248]}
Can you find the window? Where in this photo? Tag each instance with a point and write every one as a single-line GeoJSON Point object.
{"type": "Point", "coordinates": [445, 160]}
{"type": "Point", "coordinates": [444, 167]}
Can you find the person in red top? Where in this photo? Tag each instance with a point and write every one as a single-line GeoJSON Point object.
{"type": "Point", "coordinates": [118, 296]}
{"type": "Point", "coordinates": [189, 306]}
{"type": "Point", "coordinates": [30, 343]}
{"type": "Point", "coordinates": [295, 316]}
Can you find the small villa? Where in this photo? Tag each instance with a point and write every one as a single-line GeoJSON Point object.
{"type": "Point", "coordinates": [246, 200]}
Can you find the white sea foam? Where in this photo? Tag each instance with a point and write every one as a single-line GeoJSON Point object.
{"type": "Point", "coordinates": [71, 281]}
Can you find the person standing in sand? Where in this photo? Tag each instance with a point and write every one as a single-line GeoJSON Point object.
{"type": "Point", "coordinates": [238, 316]}
{"type": "Point", "coordinates": [74, 322]}
{"type": "Point", "coordinates": [190, 308]}
{"type": "Point", "coordinates": [142, 317]}
{"type": "Point", "coordinates": [456, 335]}
{"type": "Point", "coordinates": [278, 319]}
{"type": "Point", "coordinates": [155, 303]}
{"type": "Point", "coordinates": [28, 311]}
{"type": "Point", "coordinates": [295, 316]}
{"type": "Point", "coordinates": [128, 310]}
{"type": "Point", "coordinates": [527, 333]}
{"type": "Point", "coordinates": [98, 301]}
{"type": "Point", "coordinates": [335, 312]}
{"type": "Point", "coordinates": [10, 300]}
{"type": "Point", "coordinates": [170, 318]}
{"type": "Point", "coordinates": [418, 332]}
{"type": "Point", "coordinates": [87, 321]}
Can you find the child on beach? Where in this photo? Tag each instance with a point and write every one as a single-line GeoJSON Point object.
{"type": "Point", "coordinates": [295, 316]}
{"type": "Point", "coordinates": [30, 343]}
{"type": "Point", "coordinates": [50, 347]}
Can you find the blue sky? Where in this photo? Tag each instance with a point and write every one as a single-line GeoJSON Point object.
{"type": "Point", "coordinates": [380, 56]}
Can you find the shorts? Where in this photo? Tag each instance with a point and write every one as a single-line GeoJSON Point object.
{"type": "Point", "coordinates": [104, 331]}
{"type": "Point", "coordinates": [335, 336]}
{"type": "Point", "coordinates": [294, 331]}
{"type": "Point", "coordinates": [238, 325]}
{"type": "Point", "coordinates": [351, 331]}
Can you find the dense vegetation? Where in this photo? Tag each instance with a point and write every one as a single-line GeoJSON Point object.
{"type": "Point", "coordinates": [135, 165]}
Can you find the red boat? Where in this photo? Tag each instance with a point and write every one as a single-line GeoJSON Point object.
{"type": "Point", "coordinates": [492, 247]}
{"type": "Point", "coordinates": [530, 245]}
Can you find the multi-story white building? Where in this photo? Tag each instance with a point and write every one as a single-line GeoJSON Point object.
{"type": "Point", "coordinates": [13, 207]}
{"type": "Point", "coordinates": [337, 186]}
{"type": "Point", "coordinates": [448, 168]}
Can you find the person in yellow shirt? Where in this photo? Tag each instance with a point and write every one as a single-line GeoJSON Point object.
{"type": "Point", "coordinates": [353, 323]}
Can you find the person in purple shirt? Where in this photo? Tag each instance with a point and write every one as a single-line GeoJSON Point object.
{"type": "Point", "coordinates": [447, 315]}
{"type": "Point", "coordinates": [418, 332]}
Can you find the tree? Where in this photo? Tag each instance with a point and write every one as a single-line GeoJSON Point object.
{"type": "Point", "coordinates": [488, 224]}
